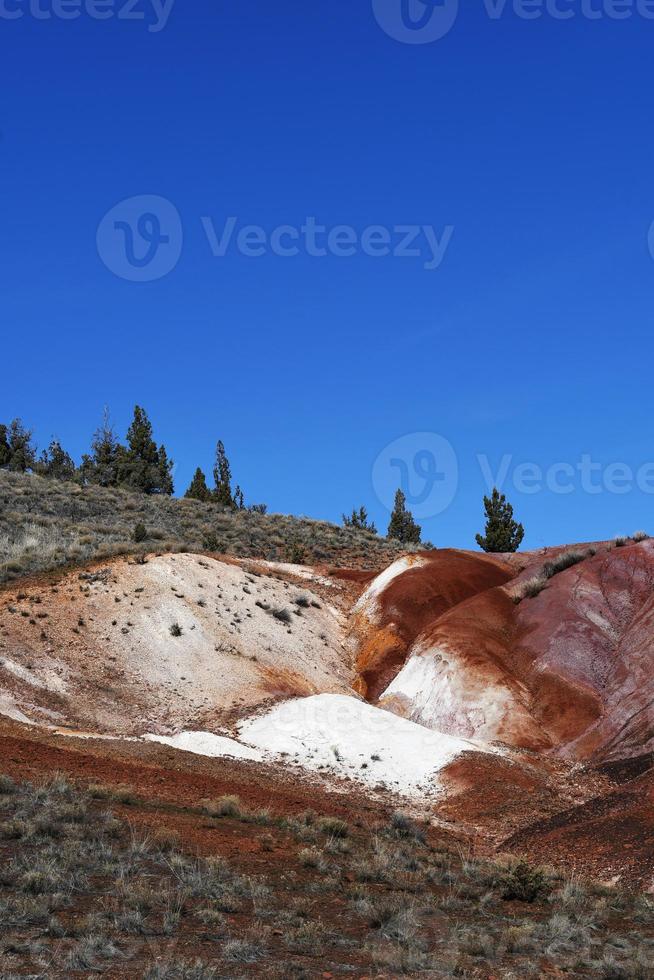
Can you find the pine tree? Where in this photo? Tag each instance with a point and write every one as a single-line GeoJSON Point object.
{"type": "Point", "coordinates": [5, 453]}
{"type": "Point", "coordinates": [359, 520]}
{"type": "Point", "coordinates": [139, 463]}
{"type": "Point", "coordinates": [102, 465]}
{"type": "Point", "coordinates": [198, 490]}
{"type": "Point", "coordinates": [55, 463]}
{"type": "Point", "coordinates": [239, 499]}
{"type": "Point", "coordinates": [166, 485]}
{"type": "Point", "coordinates": [503, 534]}
{"type": "Point", "coordinates": [222, 475]}
{"type": "Point", "coordinates": [402, 526]}
{"type": "Point", "coordinates": [19, 448]}
{"type": "Point", "coordinates": [141, 466]}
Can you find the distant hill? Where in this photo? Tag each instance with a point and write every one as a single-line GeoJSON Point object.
{"type": "Point", "coordinates": [45, 524]}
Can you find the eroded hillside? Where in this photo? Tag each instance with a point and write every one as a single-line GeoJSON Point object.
{"type": "Point", "coordinates": [492, 694]}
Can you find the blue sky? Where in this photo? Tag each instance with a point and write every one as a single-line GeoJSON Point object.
{"type": "Point", "coordinates": [531, 340]}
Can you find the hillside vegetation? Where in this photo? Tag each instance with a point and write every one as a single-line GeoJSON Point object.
{"type": "Point", "coordinates": [85, 891]}
{"type": "Point", "coordinates": [46, 523]}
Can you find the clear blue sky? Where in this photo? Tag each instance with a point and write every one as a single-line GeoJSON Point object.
{"type": "Point", "coordinates": [533, 338]}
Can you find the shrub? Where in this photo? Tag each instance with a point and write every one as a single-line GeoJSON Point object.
{"type": "Point", "coordinates": [311, 857]}
{"type": "Point", "coordinates": [523, 883]}
{"type": "Point", "coordinates": [211, 542]}
{"type": "Point", "coordinates": [561, 562]}
{"type": "Point", "coordinates": [296, 553]}
{"type": "Point", "coordinates": [224, 806]}
{"type": "Point", "coordinates": [403, 826]}
{"type": "Point", "coordinates": [333, 826]}
{"type": "Point", "coordinates": [175, 630]}
{"type": "Point", "coordinates": [165, 839]}
{"type": "Point", "coordinates": [640, 536]}
{"type": "Point", "coordinates": [140, 533]}
{"type": "Point", "coordinates": [533, 587]}
{"type": "Point", "coordinates": [7, 785]}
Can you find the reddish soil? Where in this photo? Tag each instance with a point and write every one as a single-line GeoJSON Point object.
{"type": "Point", "coordinates": [608, 835]}
{"type": "Point", "coordinates": [568, 670]}
{"type": "Point", "coordinates": [413, 600]}
{"type": "Point", "coordinates": [563, 679]}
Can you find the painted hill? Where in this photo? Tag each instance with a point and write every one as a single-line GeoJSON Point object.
{"type": "Point", "coordinates": [568, 668]}
{"type": "Point", "coordinates": [499, 696]}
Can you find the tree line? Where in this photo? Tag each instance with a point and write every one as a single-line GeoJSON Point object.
{"type": "Point", "coordinates": [502, 532]}
{"type": "Point", "coordinates": [139, 464]}
{"type": "Point", "coordinates": [143, 466]}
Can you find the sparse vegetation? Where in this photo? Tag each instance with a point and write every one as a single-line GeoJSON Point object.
{"type": "Point", "coordinates": [562, 562]}
{"type": "Point", "coordinates": [359, 519]}
{"type": "Point", "coordinates": [49, 523]}
{"type": "Point", "coordinates": [83, 891]}
{"type": "Point", "coordinates": [225, 806]}
{"type": "Point", "coordinates": [283, 615]}
{"type": "Point", "coordinates": [533, 587]}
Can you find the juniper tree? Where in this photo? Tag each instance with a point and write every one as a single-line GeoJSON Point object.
{"type": "Point", "coordinates": [239, 499]}
{"type": "Point", "coordinates": [55, 463]}
{"type": "Point", "coordinates": [359, 520]}
{"type": "Point", "coordinates": [166, 485]}
{"type": "Point", "coordinates": [139, 462]}
{"type": "Point", "coordinates": [141, 466]}
{"type": "Point", "coordinates": [5, 454]}
{"type": "Point", "coordinates": [18, 447]}
{"type": "Point", "coordinates": [102, 465]}
{"type": "Point", "coordinates": [402, 526]}
{"type": "Point", "coordinates": [222, 475]}
{"type": "Point", "coordinates": [198, 489]}
{"type": "Point", "coordinates": [503, 534]}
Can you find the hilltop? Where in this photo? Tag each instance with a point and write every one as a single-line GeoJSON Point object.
{"type": "Point", "coordinates": [46, 523]}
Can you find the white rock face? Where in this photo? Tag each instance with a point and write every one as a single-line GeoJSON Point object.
{"type": "Point", "coordinates": [338, 735]}
{"type": "Point", "coordinates": [434, 689]}
{"type": "Point", "coordinates": [205, 743]}
{"type": "Point", "coordinates": [178, 643]}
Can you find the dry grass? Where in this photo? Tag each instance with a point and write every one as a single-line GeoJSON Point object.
{"type": "Point", "coordinates": [82, 892]}
{"type": "Point", "coordinates": [45, 524]}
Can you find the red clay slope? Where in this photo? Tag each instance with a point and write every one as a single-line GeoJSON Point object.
{"type": "Point", "coordinates": [569, 670]}
{"type": "Point", "coordinates": [405, 599]}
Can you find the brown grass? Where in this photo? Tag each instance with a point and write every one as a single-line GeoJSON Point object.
{"type": "Point", "coordinates": [45, 524]}
{"type": "Point", "coordinates": [83, 892]}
